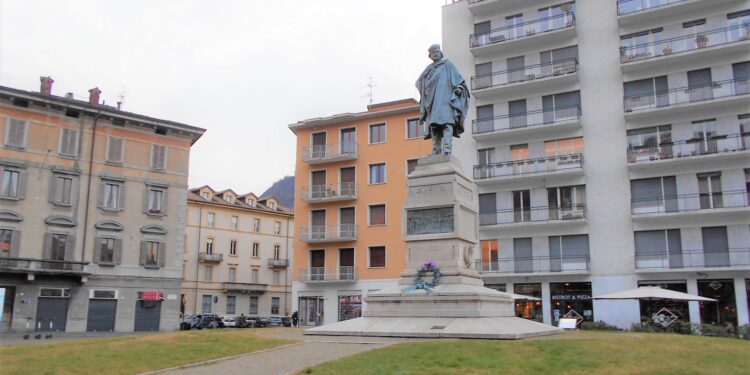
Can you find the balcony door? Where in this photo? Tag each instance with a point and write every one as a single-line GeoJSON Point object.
{"type": "Point", "coordinates": [318, 224]}
{"type": "Point", "coordinates": [741, 73]}
{"type": "Point", "coordinates": [317, 265]}
{"type": "Point", "coordinates": [517, 69]}
{"type": "Point", "coordinates": [515, 26]}
{"type": "Point", "coordinates": [348, 141]}
{"type": "Point", "coordinates": [346, 219]}
{"type": "Point", "coordinates": [483, 76]}
{"type": "Point", "coordinates": [521, 206]}
{"type": "Point", "coordinates": [348, 187]}
{"type": "Point", "coordinates": [487, 209]}
{"type": "Point", "coordinates": [561, 107]}
{"type": "Point", "coordinates": [319, 145]}
{"type": "Point", "coordinates": [699, 85]}
{"type": "Point", "coordinates": [517, 112]}
{"type": "Point", "coordinates": [715, 247]}
{"type": "Point", "coordinates": [346, 264]}
{"type": "Point", "coordinates": [566, 202]}
{"type": "Point", "coordinates": [522, 255]}
{"type": "Point", "coordinates": [318, 189]}
{"type": "Point", "coordinates": [485, 157]}
{"type": "Point", "coordinates": [709, 186]}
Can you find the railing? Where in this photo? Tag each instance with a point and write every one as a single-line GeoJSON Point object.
{"type": "Point", "coordinates": [525, 74]}
{"type": "Point", "coordinates": [532, 215]}
{"type": "Point", "coordinates": [528, 166]}
{"type": "Point", "coordinates": [682, 95]}
{"type": "Point", "coordinates": [282, 263]}
{"type": "Point", "coordinates": [570, 263]}
{"type": "Point", "coordinates": [11, 264]}
{"type": "Point", "coordinates": [319, 274]}
{"type": "Point", "coordinates": [330, 151]}
{"type": "Point", "coordinates": [345, 190]}
{"type": "Point", "coordinates": [690, 202]}
{"type": "Point", "coordinates": [681, 44]}
{"type": "Point", "coordinates": [205, 257]}
{"type": "Point", "coordinates": [690, 147]}
{"type": "Point", "coordinates": [245, 287]}
{"type": "Point", "coordinates": [526, 119]}
{"type": "Point", "coordinates": [324, 233]}
{"type": "Point", "coordinates": [633, 6]}
{"type": "Point", "coordinates": [701, 258]}
{"type": "Point", "coordinates": [524, 29]}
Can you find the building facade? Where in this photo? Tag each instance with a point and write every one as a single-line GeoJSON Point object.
{"type": "Point", "coordinates": [238, 254]}
{"type": "Point", "coordinates": [609, 141]}
{"type": "Point", "coordinates": [92, 212]}
{"type": "Point", "coordinates": [350, 191]}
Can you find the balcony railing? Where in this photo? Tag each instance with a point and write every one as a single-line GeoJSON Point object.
{"type": "Point", "coordinates": [278, 263]}
{"type": "Point", "coordinates": [701, 258]}
{"type": "Point", "coordinates": [682, 95]}
{"type": "Point", "coordinates": [205, 257]}
{"type": "Point", "coordinates": [329, 152]}
{"type": "Point", "coordinates": [528, 166]}
{"type": "Point", "coordinates": [526, 119]}
{"type": "Point", "coordinates": [688, 148]}
{"type": "Point", "coordinates": [329, 233]}
{"type": "Point", "coordinates": [252, 288]}
{"type": "Point", "coordinates": [522, 30]}
{"type": "Point", "coordinates": [315, 193]}
{"type": "Point", "coordinates": [633, 6]}
{"type": "Point", "coordinates": [323, 274]}
{"type": "Point", "coordinates": [532, 215]}
{"type": "Point", "coordinates": [690, 202]}
{"type": "Point", "coordinates": [571, 263]}
{"type": "Point", "coordinates": [687, 43]}
{"type": "Point", "coordinates": [18, 265]}
{"type": "Point", "coordinates": [525, 74]}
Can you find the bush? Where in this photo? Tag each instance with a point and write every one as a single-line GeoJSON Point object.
{"type": "Point", "coordinates": [743, 332]}
{"type": "Point", "coordinates": [718, 331]}
{"type": "Point", "coordinates": [599, 326]}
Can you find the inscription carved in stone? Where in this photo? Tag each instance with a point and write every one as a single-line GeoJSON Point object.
{"type": "Point", "coordinates": [429, 189]}
{"type": "Point", "coordinates": [428, 221]}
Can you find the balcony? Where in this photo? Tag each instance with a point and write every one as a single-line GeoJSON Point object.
{"type": "Point", "coordinates": [690, 260]}
{"type": "Point", "coordinates": [528, 35]}
{"type": "Point", "coordinates": [245, 288]}
{"type": "Point", "coordinates": [687, 152]}
{"type": "Point", "coordinates": [523, 124]}
{"type": "Point", "coordinates": [329, 233]}
{"type": "Point", "coordinates": [685, 48]}
{"type": "Point", "coordinates": [689, 100]}
{"type": "Point", "coordinates": [210, 258]}
{"type": "Point", "coordinates": [278, 263]}
{"type": "Point", "coordinates": [728, 207]}
{"type": "Point", "coordinates": [539, 265]}
{"type": "Point", "coordinates": [484, 7]}
{"type": "Point", "coordinates": [517, 169]}
{"type": "Point", "coordinates": [42, 267]}
{"type": "Point", "coordinates": [330, 193]}
{"type": "Point", "coordinates": [330, 153]}
{"type": "Point", "coordinates": [533, 216]}
{"type": "Point", "coordinates": [519, 82]}
{"type": "Point", "coordinates": [630, 12]}
{"type": "Point", "coordinates": [345, 274]}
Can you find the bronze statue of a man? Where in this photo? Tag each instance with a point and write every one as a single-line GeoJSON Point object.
{"type": "Point", "coordinates": [443, 103]}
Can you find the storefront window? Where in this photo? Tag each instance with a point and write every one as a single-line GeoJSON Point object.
{"type": "Point", "coordinates": [6, 295]}
{"type": "Point", "coordinates": [529, 309]}
{"type": "Point", "coordinates": [350, 307]}
{"type": "Point", "coordinates": [311, 311]}
{"type": "Point", "coordinates": [723, 291]}
{"type": "Point", "coordinates": [678, 308]}
{"type": "Point", "coordinates": [571, 300]}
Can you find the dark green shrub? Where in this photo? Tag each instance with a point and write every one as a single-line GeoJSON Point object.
{"type": "Point", "coordinates": [599, 326]}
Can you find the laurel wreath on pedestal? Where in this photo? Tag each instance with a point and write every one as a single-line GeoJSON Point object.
{"type": "Point", "coordinates": [430, 266]}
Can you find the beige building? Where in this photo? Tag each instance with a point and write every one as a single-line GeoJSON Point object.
{"type": "Point", "coordinates": [238, 254]}
{"type": "Point", "coordinates": [92, 212]}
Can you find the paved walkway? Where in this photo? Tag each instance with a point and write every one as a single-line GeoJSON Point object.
{"type": "Point", "coordinates": [310, 351]}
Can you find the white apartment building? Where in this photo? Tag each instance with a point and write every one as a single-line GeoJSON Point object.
{"type": "Point", "coordinates": [609, 141]}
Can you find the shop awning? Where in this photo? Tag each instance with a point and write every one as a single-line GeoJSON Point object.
{"type": "Point", "coordinates": [151, 296]}
{"type": "Point", "coordinates": [654, 293]}
{"type": "Point", "coordinates": [521, 296]}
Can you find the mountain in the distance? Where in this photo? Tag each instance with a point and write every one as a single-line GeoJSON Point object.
{"type": "Point", "coordinates": [283, 191]}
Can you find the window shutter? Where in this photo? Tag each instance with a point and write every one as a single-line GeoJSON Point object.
{"type": "Point", "coordinates": [118, 251]}
{"type": "Point", "coordinates": [121, 197]}
{"type": "Point", "coordinates": [47, 249]}
{"type": "Point", "coordinates": [100, 196]}
{"type": "Point", "coordinates": [22, 176]}
{"type": "Point", "coordinates": [53, 188]}
{"type": "Point", "coordinates": [143, 253]}
{"type": "Point", "coordinates": [164, 202]}
{"type": "Point", "coordinates": [162, 254]}
{"type": "Point", "coordinates": [97, 249]}
{"type": "Point", "coordinates": [145, 199]}
{"type": "Point", "coordinates": [70, 247]}
{"type": "Point", "coordinates": [15, 243]}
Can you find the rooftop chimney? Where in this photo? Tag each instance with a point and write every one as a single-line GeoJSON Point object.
{"type": "Point", "coordinates": [94, 96]}
{"type": "Point", "coordinates": [46, 87]}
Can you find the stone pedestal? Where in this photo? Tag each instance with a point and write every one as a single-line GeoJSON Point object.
{"type": "Point", "coordinates": [440, 222]}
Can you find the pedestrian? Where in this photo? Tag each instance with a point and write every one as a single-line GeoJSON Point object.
{"type": "Point", "coordinates": [294, 319]}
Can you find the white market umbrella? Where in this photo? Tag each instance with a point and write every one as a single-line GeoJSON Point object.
{"type": "Point", "coordinates": [654, 293]}
{"type": "Point", "coordinates": [521, 296]}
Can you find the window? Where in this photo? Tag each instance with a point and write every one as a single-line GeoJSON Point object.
{"type": "Point", "coordinates": [272, 205]}
{"type": "Point", "coordinates": [152, 254]}
{"type": "Point", "coordinates": [256, 225]}
{"type": "Point", "coordinates": [231, 303]}
{"type": "Point", "coordinates": [56, 246]}
{"type": "Point", "coordinates": [654, 195]}
{"type": "Point", "coordinates": [233, 247]}
{"type": "Point", "coordinates": [275, 305]}
{"type": "Point", "coordinates": [7, 243]}
{"type": "Point", "coordinates": [209, 275]}
{"type": "Point", "coordinates": [650, 143]}
{"type": "Point", "coordinates": [206, 303]}
{"type": "Point", "coordinates": [68, 142]}
{"type": "Point", "coordinates": [276, 277]}
{"type": "Point", "coordinates": [11, 184]}
{"type": "Point", "coordinates": [229, 199]}
{"type": "Point", "coordinates": [106, 250]}
{"type": "Point", "coordinates": [234, 222]}
{"type": "Point", "coordinates": [277, 228]}
{"type": "Point", "coordinates": [411, 165]}
{"type": "Point", "coordinates": [205, 195]}
{"type": "Point", "coordinates": [253, 306]}
{"type": "Point", "coordinates": [377, 133]}
{"type": "Point", "coordinates": [277, 252]}
{"type": "Point", "coordinates": [377, 173]}
{"type": "Point", "coordinates": [377, 256]}
{"type": "Point", "coordinates": [256, 249]}
{"type": "Point", "coordinates": [158, 157]}
{"type": "Point", "coordinates": [739, 22]}
{"type": "Point", "coordinates": [564, 146]}
{"type": "Point", "coordinates": [377, 214]}
{"type": "Point", "coordinates": [641, 45]}
{"type": "Point", "coordinates": [658, 249]}
{"type": "Point", "coordinates": [211, 218]}
{"type": "Point", "coordinates": [209, 246]}
{"type": "Point", "coordinates": [111, 195]}
{"type": "Point", "coordinates": [251, 202]}
{"type": "Point", "coordinates": [568, 253]}
{"type": "Point", "coordinates": [709, 188]}
{"type": "Point", "coordinates": [156, 201]}
{"type": "Point", "coordinates": [413, 129]}
{"type": "Point", "coordinates": [254, 276]}
{"type": "Point", "coordinates": [519, 152]}
{"type": "Point", "coordinates": [15, 133]}
{"type": "Point", "coordinates": [61, 189]}
{"type": "Point", "coordinates": [232, 274]}
{"type": "Point", "coordinates": [115, 150]}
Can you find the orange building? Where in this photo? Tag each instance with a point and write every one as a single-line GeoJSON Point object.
{"type": "Point", "coordinates": [350, 191]}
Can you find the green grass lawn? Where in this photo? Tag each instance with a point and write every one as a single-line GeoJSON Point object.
{"type": "Point", "coordinates": [130, 354]}
{"type": "Point", "coordinates": [571, 353]}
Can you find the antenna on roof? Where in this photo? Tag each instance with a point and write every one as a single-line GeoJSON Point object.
{"type": "Point", "coordinates": [121, 98]}
{"type": "Point", "coordinates": [370, 85]}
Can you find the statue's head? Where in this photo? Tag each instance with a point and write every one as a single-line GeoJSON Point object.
{"type": "Point", "coordinates": [435, 53]}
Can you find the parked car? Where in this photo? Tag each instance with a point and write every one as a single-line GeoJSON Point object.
{"type": "Point", "coordinates": [229, 321]}
{"type": "Point", "coordinates": [242, 322]}
{"type": "Point", "coordinates": [256, 322]}
{"type": "Point", "coordinates": [201, 321]}
{"type": "Point", "coordinates": [186, 323]}
{"type": "Point", "coordinates": [278, 321]}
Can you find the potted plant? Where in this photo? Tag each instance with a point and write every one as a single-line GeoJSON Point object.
{"type": "Point", "coordinates": [701, 40]}
{"type": "Point", "coordinates": [530, 31]}
{"type": "Point", "coordinates": [667, 50]}
{"type": "Point", "coordinates": [624, 57]}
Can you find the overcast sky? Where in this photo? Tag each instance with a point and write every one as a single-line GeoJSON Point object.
{"type": "Point", "coordinates": [244, 70]}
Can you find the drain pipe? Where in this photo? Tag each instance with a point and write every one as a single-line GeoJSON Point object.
{"type": "Point", "coordinates": [197, 260]}
{"type": "Point", "coordinates": [88, 187]}
{"type": "Point", "coordinates": [286, 272]}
